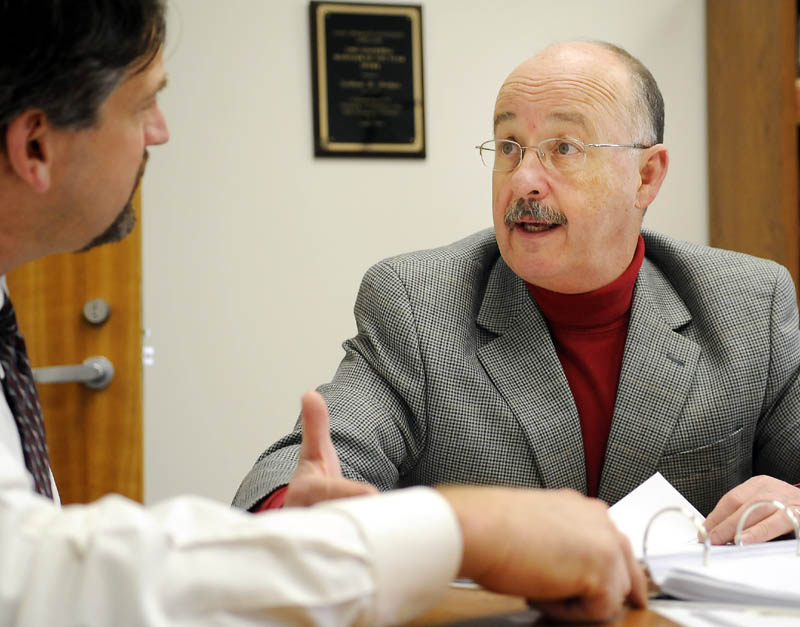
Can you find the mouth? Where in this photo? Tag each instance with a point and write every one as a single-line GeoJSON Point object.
{"type": "Point", "coordinates": [536, 227]}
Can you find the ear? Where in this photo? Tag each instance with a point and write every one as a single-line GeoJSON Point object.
{"type": "Point", "coordinates": [652, 170]}
{"type": "Point", "coordinates": [29, 148]}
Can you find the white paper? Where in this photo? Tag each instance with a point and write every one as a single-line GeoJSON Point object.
{"type": "Point", "coordinates": [672, 532]}
{"type": "Point", "coordinates": [713, 615]}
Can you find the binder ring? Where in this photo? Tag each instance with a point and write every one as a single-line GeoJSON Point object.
{"type": "Point", "coordinates": [698, 523]}
{"type": "Point", "coordinates": [790, 514]}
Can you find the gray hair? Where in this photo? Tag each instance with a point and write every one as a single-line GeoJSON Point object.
{"type": "Point", "coordinates": [646, 102]}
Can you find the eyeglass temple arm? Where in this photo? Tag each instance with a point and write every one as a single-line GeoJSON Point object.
{"type": "Point", "coordinates": [641, 146]}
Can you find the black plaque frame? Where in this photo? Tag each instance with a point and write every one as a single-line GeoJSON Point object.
{"type": "Point", "coordinates": [366, 70]}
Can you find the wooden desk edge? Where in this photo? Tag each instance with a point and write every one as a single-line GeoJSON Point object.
{"type": "Point", "coordinates": [461, 605]}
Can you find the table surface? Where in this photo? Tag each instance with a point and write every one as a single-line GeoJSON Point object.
{"type": "Point", "coordinates": [463, 604]}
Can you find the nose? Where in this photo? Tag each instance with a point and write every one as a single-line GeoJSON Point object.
{"type": "Point", "coordinates": [530, 178]}
{"type": "Point", "coordinates": [156, 131]}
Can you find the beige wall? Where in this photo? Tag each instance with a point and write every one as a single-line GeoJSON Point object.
{"type": "Point", "coordinates": [253, 249]}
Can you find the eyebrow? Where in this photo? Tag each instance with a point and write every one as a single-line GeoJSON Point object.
{"type": "Point", "coordinates": [572, 117]}
{"type": "Point", "coordinates": [502, 117]}
{"type": "Point", "coordinates": [154, 92]}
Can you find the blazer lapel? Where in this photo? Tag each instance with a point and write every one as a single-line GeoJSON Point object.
{"type": "Point", "coordinates": [658, 368]}
{"type": "Point", "coordinates": [522, 363]}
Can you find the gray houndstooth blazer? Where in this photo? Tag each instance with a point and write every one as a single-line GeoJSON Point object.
{"type": "Point", "coordinates": [453, 378]}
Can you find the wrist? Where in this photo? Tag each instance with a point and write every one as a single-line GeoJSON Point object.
{"type": "Point", "coordinates": [479, 518]}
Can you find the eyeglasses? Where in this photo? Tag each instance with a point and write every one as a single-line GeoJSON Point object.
{"type": "Point", "coordinates": [562, 154]}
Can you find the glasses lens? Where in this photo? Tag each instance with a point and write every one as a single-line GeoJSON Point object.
{"type": "Point", "coordinates": [562, 154]}
{"type": "Point", "coordinates": [502, 155]}
{"type": "Point", "coordinates": [487, 153]}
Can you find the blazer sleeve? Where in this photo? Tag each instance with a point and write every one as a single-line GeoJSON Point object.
{"type": "Point", "coordinates": [377, 398]}
{"type": "Point", "coordinates": [777, 443]}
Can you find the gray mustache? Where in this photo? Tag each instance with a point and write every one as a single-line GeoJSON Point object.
{"type": "Point", "coordinates": [533, 210]}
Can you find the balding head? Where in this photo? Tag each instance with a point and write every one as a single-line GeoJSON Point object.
{"type": "Point", "coordinates": [613, 72]}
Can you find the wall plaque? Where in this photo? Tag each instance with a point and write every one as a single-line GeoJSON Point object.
{"type": "Point", "coordinates": [367, 79]}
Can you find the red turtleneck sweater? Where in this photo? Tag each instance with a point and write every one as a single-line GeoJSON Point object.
{"type": "Point", "coordinates": [589, 332]}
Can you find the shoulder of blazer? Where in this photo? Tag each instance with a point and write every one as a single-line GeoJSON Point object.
{"type": "Point", "coordinates": [476, 253]}
{"type": "Point", "coordinates": [478, 247]}
{"type": "Point", "coordinates": [703, 276]}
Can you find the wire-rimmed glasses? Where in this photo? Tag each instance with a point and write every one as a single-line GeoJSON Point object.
{"type": "Point", "coordinates": [564, 154]}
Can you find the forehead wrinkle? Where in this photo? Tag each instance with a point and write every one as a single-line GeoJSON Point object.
{"type": "Point", "coordinates": [570, 96]}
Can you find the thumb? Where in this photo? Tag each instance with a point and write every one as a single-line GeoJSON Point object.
{"type": "Point", "coordinates": [316, 445]}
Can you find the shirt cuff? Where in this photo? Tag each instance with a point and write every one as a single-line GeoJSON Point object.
{"type": "Point", "coordinates": [415, 541]}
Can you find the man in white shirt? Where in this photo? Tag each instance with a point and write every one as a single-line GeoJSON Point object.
{"type": "Point", "coordinates": [78, 109]}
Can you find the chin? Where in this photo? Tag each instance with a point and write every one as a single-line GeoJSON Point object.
{"type": "Point", "coordinates": [539, 271]}
{"type": "Point", "coordinates": [121, 226]}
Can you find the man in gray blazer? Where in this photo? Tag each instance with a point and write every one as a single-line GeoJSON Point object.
{"type": "Point", "coordinates": [566, 347]}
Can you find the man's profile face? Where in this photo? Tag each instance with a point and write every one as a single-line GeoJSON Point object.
{"type": "Point", "coordinates": [585, 230]}
{"type": "Point", "coordinates": [106, 161]}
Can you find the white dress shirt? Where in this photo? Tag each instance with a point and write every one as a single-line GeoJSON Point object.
{"type": "Point", "coordinates": [367, 561]}
{"type": "Point", "coordinates": [9, 434]}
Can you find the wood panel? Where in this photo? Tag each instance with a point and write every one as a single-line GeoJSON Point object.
{"type": "Point", "coordinates": [752, 128]}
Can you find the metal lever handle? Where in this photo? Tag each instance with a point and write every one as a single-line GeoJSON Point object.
{"type": "Point", "coordinates": [95, 373]}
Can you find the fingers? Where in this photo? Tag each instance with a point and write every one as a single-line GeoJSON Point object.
{"type": "Point", "coordinates": [582, 609]}
{"type": "Point", "coordinates": [623, 581]}
{"type": "Point", "coordinates": [316, 427]}
{"type": "Point", "coordinates": [571, 611]}
{"type": "Point", "coordinates": [637, 597]}
{"type": "Point", "coordinates": [725, 531]}
{"type": "Point", "coordinates": [721, 522]}
{"type": "Point", "coordinates": [318, 476]}
{"type": "Point", "coordinates": [763, 523]}
{"type": "Point", "coordinates": [770, 527]}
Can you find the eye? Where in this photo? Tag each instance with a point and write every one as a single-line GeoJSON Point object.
{"type": "Point", "coordinates": [565, 148]}
{"type": "Point", "coordinates": [507, 148]}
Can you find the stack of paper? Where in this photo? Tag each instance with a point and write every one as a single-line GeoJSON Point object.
{"type": "Point", "coordinates": [756, 574]}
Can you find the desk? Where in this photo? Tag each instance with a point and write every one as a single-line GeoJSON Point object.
{"type": "Point", "coordinates": [459, 604]}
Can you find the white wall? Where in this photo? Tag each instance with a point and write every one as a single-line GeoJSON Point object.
{"type": "Point", "coordinates": [254, 249]}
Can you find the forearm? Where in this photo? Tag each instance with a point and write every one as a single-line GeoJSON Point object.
{"type": "Point", "coordinates": [190, 560]}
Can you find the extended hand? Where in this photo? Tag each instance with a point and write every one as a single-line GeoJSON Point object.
{"type": "Point", "coordinates": [318, 476]}
{"type": "Point", "coordinates": [556, 547]}
{"type": "Point", "coordinates": [763, 523]}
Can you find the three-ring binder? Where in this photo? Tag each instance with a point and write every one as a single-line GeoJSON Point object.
{"type": "Point", "coordinates": [701, 527]}
{"type": "Point", "coordinates": [758, 574]}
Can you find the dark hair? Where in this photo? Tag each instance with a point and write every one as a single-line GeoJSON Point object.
{"type": "Point", "coordinates": [648, 100]}
{"type": "Point", "coordinates": [67, 56]}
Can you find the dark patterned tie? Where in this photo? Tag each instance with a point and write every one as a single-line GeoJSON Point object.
{"type": "Point", "coordinates": [23, 400]}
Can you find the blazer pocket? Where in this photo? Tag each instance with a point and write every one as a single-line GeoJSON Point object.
{"type": "Point", "coordinates": [704, 474]}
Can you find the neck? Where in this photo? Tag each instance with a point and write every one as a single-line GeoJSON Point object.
{"type": "Point", "coordinates": [19, 239]}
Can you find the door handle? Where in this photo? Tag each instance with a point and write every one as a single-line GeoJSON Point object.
{"type": "Point", "coordinates": [95, 373]}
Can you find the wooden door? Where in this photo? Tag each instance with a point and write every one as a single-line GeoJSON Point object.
{"type": "Point", "coordinates": [94, 436]}
{"type": "Point", "coordinates": [754, 205]}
